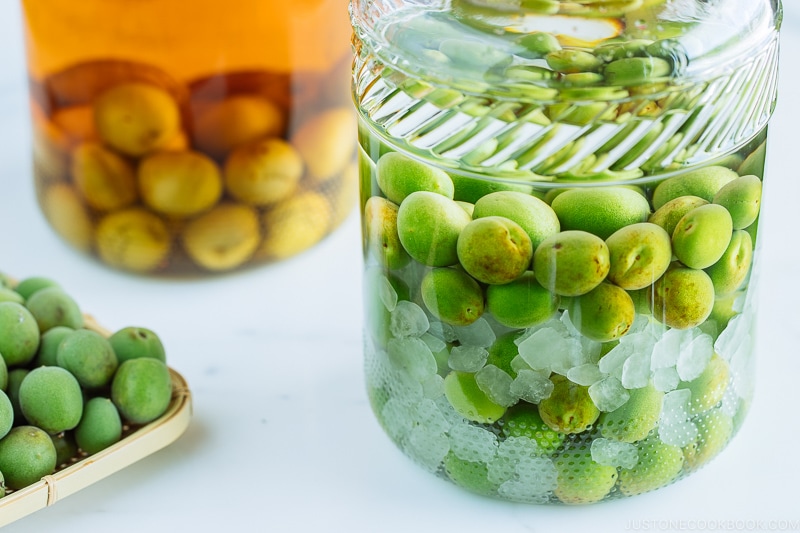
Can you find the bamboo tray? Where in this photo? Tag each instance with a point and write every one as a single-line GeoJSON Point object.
{"type": "Point", "coordinates": [138, 444]}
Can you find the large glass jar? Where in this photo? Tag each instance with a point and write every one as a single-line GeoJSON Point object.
{"type": "Point", "coordinates": [191, 137]}
{"type": "Point", "coordinates": [560, 205]}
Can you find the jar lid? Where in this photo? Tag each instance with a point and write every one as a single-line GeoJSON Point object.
{"type": "Point", "coordinates": [706, 69]}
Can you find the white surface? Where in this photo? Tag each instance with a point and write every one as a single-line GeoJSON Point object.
{"type": "Point", "coordinates": [283, 438]}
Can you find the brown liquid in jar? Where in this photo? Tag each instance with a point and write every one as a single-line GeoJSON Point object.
{"type": "Point", "coordinates": [174, 137]}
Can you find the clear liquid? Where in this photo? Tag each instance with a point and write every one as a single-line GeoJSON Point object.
{"type": "Point", "coordinates": [490, 109]}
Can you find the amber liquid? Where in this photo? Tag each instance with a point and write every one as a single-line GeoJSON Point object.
{"type": "Point", "coordinates": [295, 55]}
{"type": "Point", "coordinates": [188, 38]}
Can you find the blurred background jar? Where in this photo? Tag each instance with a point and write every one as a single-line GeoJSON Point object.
{"type": "Point", "coordinates": [202, 137]}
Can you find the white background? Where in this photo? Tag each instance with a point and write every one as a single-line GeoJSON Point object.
{"type": "Point", "coordinates": [282, 437]}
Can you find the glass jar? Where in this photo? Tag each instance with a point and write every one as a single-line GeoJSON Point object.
{"type": "Point", "coordinates": [560, 205]}
{"type": "Point", "coordinates": [177, 138]}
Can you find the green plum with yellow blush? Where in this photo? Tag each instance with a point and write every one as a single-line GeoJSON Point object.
{"type": "Point", "coordinates": [732, 269]}
{"type": "Point", "coordinates": [702, 236]}
{"type": "Point", "coordinates": [639, 255]}
{"type": "Point", "coordinates": [603, 314]}
{"type": "Point", "coordinates": [428, 225]}
{"type": "Point", "coordinates": [523, 303]}
{"type": "Point", "coordinates": [668, 215]}
{"type": "Point", "coordinates": [452, 296]}
{"type": "Point", "coordinates": [569, 408]}
{"type": "Point", "coordinates": [682, 298]}
{"type": "Point", "coordinates": [494, 250]}
{"type": "Point", "coordinates": [571, 263]}
{"type": "Point", "coordinates": [380, 229]}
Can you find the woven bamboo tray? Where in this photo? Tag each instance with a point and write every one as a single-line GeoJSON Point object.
{"type": "Point", "coordinates": [136, 444]}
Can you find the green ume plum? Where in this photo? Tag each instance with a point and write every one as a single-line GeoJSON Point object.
{"type": "Point", "coordinates": [571, 263]}
{"type": "Point", "coordinates": [20, 339]}
{"type": "Point", "coordinates": [634, 420]}
{"type": "Point", "coordinates": [66, 448]}
{"type": "Point", "coordinates": [532, 214]}
{"type": "Point", "coordinates": [581, 480]}
{"type": "Point", "coordinates": [682, 298]}
{"type": "Point", "coordinates": [668, 215]}
{"type": "Point", "coordinates": [6, 414]}
{"type": "Point", "coordinates": [659, 464]}
{"type": "Point", "coordinates": [132, 342]}
{"type": "Point", "coordinates": [569, 408]}
{"type": "Point", "coordinates": [600, 211]}
{"type": "Point", "coordinates": [494, 250]}
{"type": "Point", "coordinates": [47, 354]}
{"type": "Point", "coordinates": [100, 426]}
{"type": "Point", "coordinates": [428, 225]}
{"type": "Point", "coordinates": [53, 307]}
{"type": "Point", "coordinates": [51, 398]}
{"type": "Point", "coordinates": [639, 255]}
{"type": "Point", "coordinates": [471, 190]}
{"type": "Point", "coordinates": [89, 357]}
{"type": "Point", "coordinates": [26, 455]}
{"type": "Point", "coordinates": [399, 175]}
{"type": "Point", "coordinates": [471, 475]}
{"type": "Point", "coordinates": [469, 400]}
{"type": "Point", "coordinates": [382, 240]}
{"type": "Point", "coordinates": [708, 389]}
{"type": "Point", "coordinates": [702, 236]}
{"type": "Point", "coordinates": [452, 296]}
{"type": "Point", "coordinates": [522, 303]}
{"type": "Point", "coordinates": [26, 287]}
{"type": "Point", "coordinates": [732, 269]}
{"type": "Point", "coordinates": [15, 378]}
{"type": "Point", "coordinates": [704, 182]}
{"type": "Point", "coordinates": [603, 314]}
{"type": "Point", "coordinates": [503, 352]}
{"type": "Point", "coordinates": [523, 420]}
{"type": "Point", "coordinates": [715, 429]}
{"type": "Point", "coordinates": [141, 389]}
{"type": "Point", "coordinates": [742, 198]}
